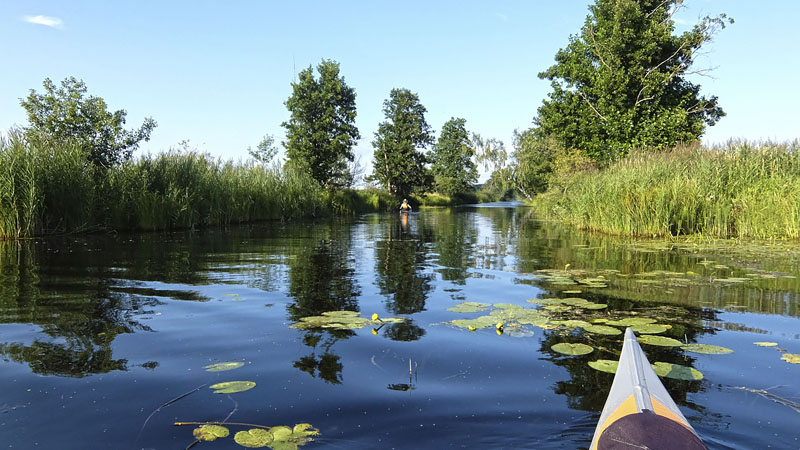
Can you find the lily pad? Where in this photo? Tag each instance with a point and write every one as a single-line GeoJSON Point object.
{"type": "Point", "coordinates": [650, 328]}
{"type": "Point", "coordinates": [253, 438]}
{"type": "Point", "coordinates": [469, 307]}
{"type": "Point", "coordinates": [210, 432]}
{"type": "Point", "coordinates": [602, 329]}
{"type": "Point", "coordinates": [791, 358]}
{"type": "Point", "coordinates": [341, 320]}
{"type": "Point", "coordinates": [677, 371]}
{"type": "Point", "coordinates": [631, 322]}
{"type": "Point", "coordinates": [707, 349]}
{"type": "Point", "coordinates": [475, 324]}
{"type": "Point", "coordinates": [223, 366]}
{"type": "Point", "coordinates": [661, 341]}
{"type": "Point", "coordinates": [507, 306]}
{"type": "Point", "coordinates": [604, 365]}
{"type": "Point", "coordinates": [572, 349]}
{"type": "Point", "coordinates": [232, 387]}
{"type": "Point", "coordinates": [766, 344]}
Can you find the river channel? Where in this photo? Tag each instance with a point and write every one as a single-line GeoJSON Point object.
{"type": "Point", "coordinates": [105, 339]}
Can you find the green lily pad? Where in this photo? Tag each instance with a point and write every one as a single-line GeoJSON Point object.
{"type": "Point", "coordinates": [602, 329]}
{"type": "Point", "coordinates": [253, 438]}
{"type": "Point", "coordinates": [223, 366]}
{"type": "Point", "coordinates": [791, 358]}
{"type": "Point", "coordinates": [232, 387]}
{"type": "Point", "coordinates": [766, 344]}
{"type": "Point", "coordinates": [631, 322]}
{"type": "Point", "coordinates": [469, 307]}
{"type": "Point", "coordinates": [575, 291]}
{"type": "Point", "coordinates": [650, 328]}
{"type": "Point", "coordinates": [475, 324]}
{"type": "Point", "coordinates": [604, 365]}
{"type": "Point", "coordinates": [661, 341]}
{"type": "Point", "coordinates": [572, 349]}
{"type": "Point", "coordinates": [341, 320]}
{"type": "Point", "coordinates": [677, 372]}
{"type": "Point", "coordinates": [507, 306]}
{"type": "Point", "coordinates": [707, 349]}
{"type": "Point", "coordinates": [210, 432]}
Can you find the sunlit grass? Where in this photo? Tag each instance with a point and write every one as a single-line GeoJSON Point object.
{"type": "Point", "coordinates": [741, 189]}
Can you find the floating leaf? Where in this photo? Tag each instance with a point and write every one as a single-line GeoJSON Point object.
{"type": "Point", "coordinates": [766, 344]}
{"type": "Point", "coordinates": [677, 372]}
{"type": "Point", "coordinates": [223, 366]}
{"type": "Point", "coordinates": [572, 349]}
{"type": "Point", "coordinates": [791, 358]}
{"type": "Point", "coordinates": [232, 387]}
{"type": "Point", "coordinates": [468, 307]}
{"type": "Point", "coordinates": [661, 341]}
{"type": "Point", "coordinates": [602, 329]}
{"type": "Point", "coordinates": [253, 438]}
{"type": "Point", "coordinates": [474, 324]}
{"type": "Point", "coordinates": [210, 432]}
{"type": "Point", "coordinates": [604, 365]}
{"type": "Point", "coordinates": [507, 306]}
{"type": "Point", "coordinates": [341, 320]}
{"type": "Point", "coordinates": [706, 348]}
{"type": "Point", "coordinates": [304, 429]}
{"type": "Point", "coordinates": [631, 322]}
{"type": "Point", "coordinates": [650, 328]}
{"type": "Point", "coordinates": [573, 292]}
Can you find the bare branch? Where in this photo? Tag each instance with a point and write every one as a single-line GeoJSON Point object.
{"type": "Point", "coordinates": [655, 9]}
{"type": "Point", "coordinates": [597, 49]}
{"type": "Point", "coordinates": [586, 99]}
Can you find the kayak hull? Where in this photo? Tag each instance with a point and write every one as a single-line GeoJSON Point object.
{"type": "Point", "coordinates": [639, 412]}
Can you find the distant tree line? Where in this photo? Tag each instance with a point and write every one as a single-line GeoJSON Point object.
{"type": "Point", "coordinates": [620, 83]}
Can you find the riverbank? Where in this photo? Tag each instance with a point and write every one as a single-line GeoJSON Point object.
{"type": "Point", "coordinates": [50, 188]}
{"type": "Point", "coordinates": [738, 190]}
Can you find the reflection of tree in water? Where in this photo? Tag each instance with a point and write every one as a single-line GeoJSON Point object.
{"type": "Point", "coordinates": [327, 365]}
{"type": "Point", "coordinates": [588, 388]}
{"type": "Point", "coordinates": [81, 316]}
{"type": "Point", "coordinates": [322, 279]}
{"type": "Point", "coordinates": [404, 331]}
{"type": "Point", "coordinates": [400, 268]}
{"type": "Point", "coordinates": [454, 244]}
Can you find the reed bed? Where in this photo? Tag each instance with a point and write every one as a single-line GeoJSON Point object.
{"type": "Point", "coordinates": [741, 189]}
{"type": "Point", "coordinates": [49, 187]}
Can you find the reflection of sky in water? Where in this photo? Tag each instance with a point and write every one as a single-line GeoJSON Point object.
{"type": "Point", "coordinates": [133, 322]}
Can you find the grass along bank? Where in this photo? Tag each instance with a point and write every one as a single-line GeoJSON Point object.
{"type": "Point", "coordinates": [741, 189]}
{"type": "Point", "coordinates": [49, 187]}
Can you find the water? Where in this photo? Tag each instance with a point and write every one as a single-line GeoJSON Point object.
{"type": "Point", "coordinates": [98, 332]}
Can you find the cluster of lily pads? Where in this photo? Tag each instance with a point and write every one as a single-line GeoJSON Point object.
{"type": "Point", "coordinates": [342, 320]}
{"type": "Point", "coordinates": [279, 437]}
{"type": "Point", "coordinates": [791, 358]}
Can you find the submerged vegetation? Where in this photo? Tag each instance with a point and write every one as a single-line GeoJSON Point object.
{"type": "Point", "coordinates": [739, 190]}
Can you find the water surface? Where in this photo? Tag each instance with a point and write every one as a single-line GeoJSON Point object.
{"type": "Point", "coordinates": [98, 332]}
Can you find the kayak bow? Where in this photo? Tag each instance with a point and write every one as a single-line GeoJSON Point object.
{"type": "Point", "coordinates": [639, 413]}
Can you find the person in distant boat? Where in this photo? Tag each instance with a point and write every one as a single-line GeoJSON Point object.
{"type": "Point", "coordinates": [405, 207]}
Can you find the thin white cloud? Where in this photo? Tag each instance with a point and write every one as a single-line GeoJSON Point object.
{"type": "Point", "coordinates": [53, 22]}
{"type": "Point", "coordinates": [501, 16]}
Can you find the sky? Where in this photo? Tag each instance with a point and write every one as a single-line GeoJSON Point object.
{"type": "Point", "coordinates": [218, 73]}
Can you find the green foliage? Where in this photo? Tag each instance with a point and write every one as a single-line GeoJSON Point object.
{"type": "Point", "coordinates": [66, 114]}
{"type": "Point", "coordinates": [321, 130]}
{"type": "Point", "coordinates": [740, 190]}
{"type": "Point", "coordinates": [398, 160]}
{"type": "Point", "coordinates": [621, 83]}
{"type": "Point", "coordinates": [453, 170]}
{"type": "Point", "coordinates": [264, 151]}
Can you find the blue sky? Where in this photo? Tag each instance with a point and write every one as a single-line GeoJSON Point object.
{"type": "Point", "coordinates": [218, 73]}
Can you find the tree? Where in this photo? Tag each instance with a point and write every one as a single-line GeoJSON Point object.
{"type": "Point", "coordinates": [453, 170]}
{"type": "Point", "coordinates": [621, 83]}
{"type": "Point", "coordinates": [66, 113]}
{"type": "Point", "coordinates": [264, 151]}
{"type": "Point", "coordinates": [398, 160]}
{"type": "Point", "coordinates": [321, 130]}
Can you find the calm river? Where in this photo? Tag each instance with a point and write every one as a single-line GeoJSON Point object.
{"type": "Point", "coordinates": [104, 340]}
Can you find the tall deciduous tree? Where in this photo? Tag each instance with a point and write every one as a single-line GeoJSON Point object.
{"type": "Point", "coordinates": [398, 158]}
{"type": "Point", "coordinates": [622, 82]}
{"type": "Point", "coordinates": [453, 170]}
{"type": "Point", "coordinates": [321, 130]}
{"type": "Point", "coordinates": [67, 113]}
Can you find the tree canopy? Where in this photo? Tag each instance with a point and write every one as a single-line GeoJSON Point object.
{"type": "Point", "coordinates": [398, 159]}
{"type": "Point", "coordinates": [67, 113]}
{"type": "Point", "coordinates": [622, 82]}
{"type": "Point", "coordinates": [453, 170]}
{"type": "Point", "coordinates": [321, 130]}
